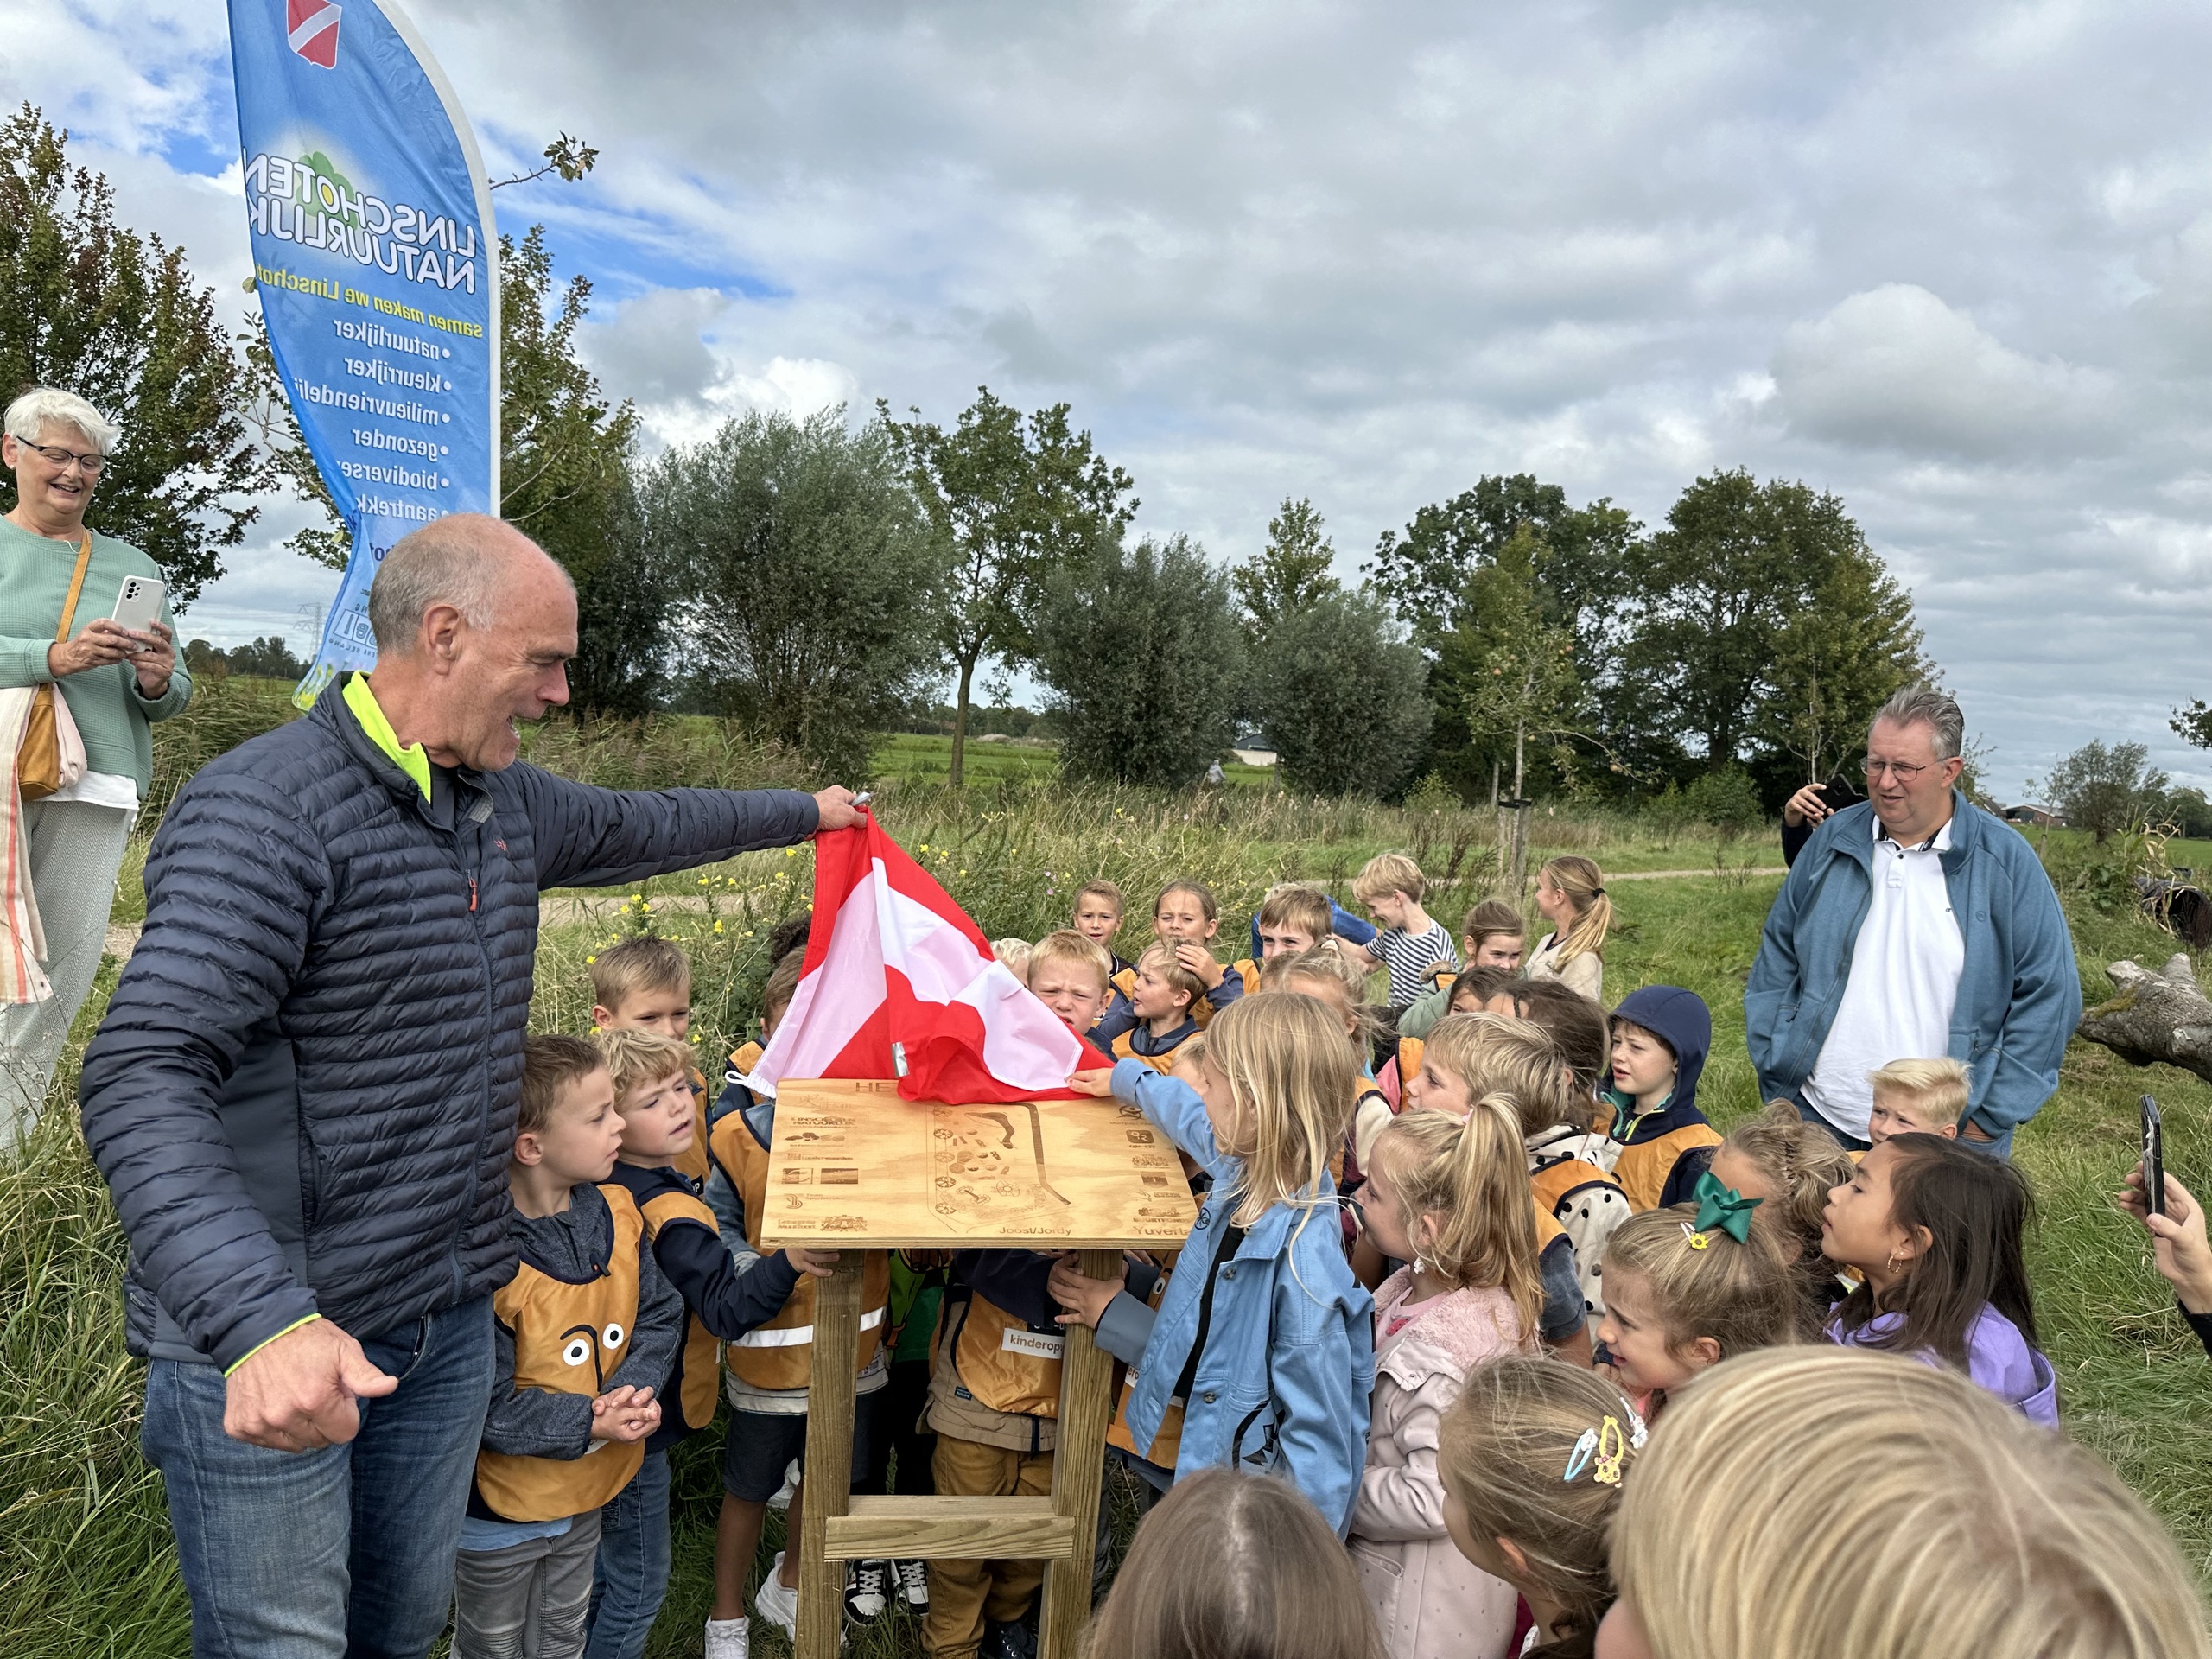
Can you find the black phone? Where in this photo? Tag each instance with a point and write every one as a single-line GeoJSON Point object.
{"type": "Point", "coordinates": [2154, 1158]}
{"type": "Point", "coordinates": [1838, 793]}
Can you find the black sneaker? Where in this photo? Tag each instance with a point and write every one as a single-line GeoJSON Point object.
{"type": "Point", "coordinates": [909, 1587]}
{"type": "Point", "coordinates": [864, 1585]}
{"type": "Point", "coordinates": [1011, 1641]}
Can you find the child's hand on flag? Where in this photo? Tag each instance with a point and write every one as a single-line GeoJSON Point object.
{"type": "Point", "coordinates": [1097, 1083]}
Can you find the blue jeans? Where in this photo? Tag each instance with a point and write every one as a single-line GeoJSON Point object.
{"type": "Point", "coordinates": [346, 1551]}
{"type": "Point", "coordinates": [632, 1576]}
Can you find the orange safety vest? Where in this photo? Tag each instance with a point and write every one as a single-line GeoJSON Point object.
{"type": "Point", "coordinates": [1642, 1169]}
{"type": "Point", "coordinates": [1200, 1009]}
{"type": "Point", "coordinates": [1125, 1049]}
{"type": "Point", "coordinates": [778, 1354]}
{"type": "Point", "coordinates": [1169, 1439]}
{"type": "Point", "coordinates": [1003, 1362]}
{"type": "Point", "coordinates": [1248, 970]}
{"type": "Point", "coordinates": [698, 1372]}
{"type": "Point", "coordinates": [1410, 1049]}
{"type": "Point", "coordinates": [1553, 1182]}
{"type": "Point", "coordinates": [570, 1338]}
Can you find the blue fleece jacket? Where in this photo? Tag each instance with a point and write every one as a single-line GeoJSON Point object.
{"type": "Point", "coordinates": [2020, 991]}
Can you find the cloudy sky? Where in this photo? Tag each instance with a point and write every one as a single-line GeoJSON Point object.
{"type": "Point", "coordinates": [1953, 262]}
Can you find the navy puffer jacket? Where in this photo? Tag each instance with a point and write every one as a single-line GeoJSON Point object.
{"type": "Point", "coordinates": [304, 1092]}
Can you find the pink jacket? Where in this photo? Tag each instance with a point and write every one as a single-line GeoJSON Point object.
{"type": "Point", "coordinates": [1431, 1601]}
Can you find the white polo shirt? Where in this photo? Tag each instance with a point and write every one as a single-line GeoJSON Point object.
{"type": "Point", "coordinates": [1904, 980]}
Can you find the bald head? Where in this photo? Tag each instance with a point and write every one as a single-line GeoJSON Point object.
{"type": "Point", "coordinates": [468, 561]}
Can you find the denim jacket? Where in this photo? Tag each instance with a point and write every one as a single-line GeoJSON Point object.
{"type": "Point", "coordinates": [2020, 991]}
{"type": "Point", "coordinates": [1289, 1360]}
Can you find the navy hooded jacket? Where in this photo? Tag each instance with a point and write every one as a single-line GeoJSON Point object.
{"type": "Point", "coordinates": [1663, 1152]}
{"type": "Point", "coordinates": [303, 1095]}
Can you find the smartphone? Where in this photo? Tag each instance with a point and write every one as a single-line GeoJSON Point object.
{"type": "Point", "coordinates": [1838, 793]}
{"type": "Point", "coordinates": [138, 605]}
{"type": "Point", "coordinates": [2154, 1158]}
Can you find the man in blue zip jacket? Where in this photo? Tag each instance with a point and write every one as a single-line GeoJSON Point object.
{"type": "Point", "coordinates": [304, 1091]}
{"type": "Point", "coordinates": [1914, 925]}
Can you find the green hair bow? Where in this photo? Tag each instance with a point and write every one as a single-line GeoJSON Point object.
{"type": "Point", "coordinates": [1724, 1207]}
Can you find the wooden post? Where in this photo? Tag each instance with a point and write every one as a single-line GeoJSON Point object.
{"type": "Point", "coordinates": [1078, 1471]}
{"type": "Point", "coordinates": [826, 1483]}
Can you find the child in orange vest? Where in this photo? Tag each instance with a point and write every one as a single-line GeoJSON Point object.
{"type": "Point", "coordinates": [1184, 918]}
{"type": "Point", "coordinates": [1098, 908]}
{"type": "Point", "coordinates": [995, 1391]}
{"type": "Point", "coordinates": [1157, 1016]}
{"type": "Point", "coordinates": [766, 1368]}
{"type": "Point", "coordinates": [646, 985]}
{"type": "Point", "coordinates": [585, 1333]}
{"type": "Point", "coordinates": [653, 1093]}
{"type": "Point", "coordinates": [1661, 1036]}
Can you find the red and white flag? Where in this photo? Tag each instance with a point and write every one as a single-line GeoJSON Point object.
{"type": "Point", "coordinates": [899, 984]}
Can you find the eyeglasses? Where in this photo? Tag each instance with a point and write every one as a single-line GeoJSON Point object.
{"type": "Point", "coordinates": [1896, 769]}
{"type": "Point", "coordinates": [86, 464]}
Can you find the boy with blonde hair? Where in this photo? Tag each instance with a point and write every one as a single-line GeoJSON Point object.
{"type": "Point", "coordinates": [1073, 976]}
{"type": "Point", "coordinates": [1159, 1004]}
{"type": "Point", "coordinates": [1413, 945]}
{"type": "Point", "coordinates": [1098, 909]}
{"type": "Point", "coordinates": [1918, 1097]}
{"type": "Point", "coordinates": [651, 1076]}
{"type": "Point", "coordinates": [644, 984]}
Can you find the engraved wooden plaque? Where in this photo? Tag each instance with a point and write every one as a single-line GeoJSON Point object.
{"type": "Point", "coordinates": [855, 1164]}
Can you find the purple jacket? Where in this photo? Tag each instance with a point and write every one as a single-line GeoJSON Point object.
{"type": "Point", "coordinates": [1998, 1356]}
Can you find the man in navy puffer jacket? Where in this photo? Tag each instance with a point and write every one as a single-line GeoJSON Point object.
{"type": "Point", "coordinates": [303, 1095]}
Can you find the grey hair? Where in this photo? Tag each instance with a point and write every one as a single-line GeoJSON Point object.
{"type": "Point", "coordinates": [1926, 704]}
{"type": "Point", "coordinates": [451, 560]}
{"type": "Point", "coordinates": [41, 407]}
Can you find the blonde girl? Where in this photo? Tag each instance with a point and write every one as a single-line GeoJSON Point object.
{"type": "Point", "coordinates": [1231, 1566]}
{"type": "Point", "coordinates": [1533, 1454]}
{"type": "Point", "coordinates": [1865, 1507]}
{"type": "Point", "coordinates": [1487, 1056]}
{"type": "Point", "coordinates": [1282, 1377]}
{"type": "Point", "coordinates": [1689, 1286]}
{"type": "Point", "coordinates": [1324, 972]}
{"type": "Point", "coordinates": [1570, 896]}
{"type": "Point", "coordinates": [1791, 1166]}
{"type": "Point", "coordinates": [1443, 1194]}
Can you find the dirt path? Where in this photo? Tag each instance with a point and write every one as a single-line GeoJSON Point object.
{"type": "Point", "coordinates": [566, 909]}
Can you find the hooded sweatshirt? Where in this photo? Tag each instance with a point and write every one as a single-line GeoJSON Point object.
{"type": "Point", "coordinates": [1659, 1154]}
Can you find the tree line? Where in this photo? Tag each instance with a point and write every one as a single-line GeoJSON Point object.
{"type": "Point", "coordinates": [818, 579]}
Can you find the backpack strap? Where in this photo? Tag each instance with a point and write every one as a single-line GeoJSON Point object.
{"type": "Point", "coordinates": [76, 587]}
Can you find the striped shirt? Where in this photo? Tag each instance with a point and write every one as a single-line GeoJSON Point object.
{"type": "Point", "coordinates": [1410, 957]}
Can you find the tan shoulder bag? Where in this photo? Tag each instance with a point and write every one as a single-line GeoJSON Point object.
{"type": "Point", "coordinates": [38, 758]}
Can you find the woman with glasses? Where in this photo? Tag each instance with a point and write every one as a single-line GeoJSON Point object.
{"type": "Point", "coordinates": [114, 681]}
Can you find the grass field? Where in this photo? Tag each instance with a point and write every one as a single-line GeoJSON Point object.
{"type": "Point", "coordinates": [84, 1550]}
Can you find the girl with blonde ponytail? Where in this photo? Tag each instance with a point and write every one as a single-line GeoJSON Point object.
{"type": "Point", "coordinates": [1449, 1196]}
{"type": "Point", "coordinates": [1570, 896]}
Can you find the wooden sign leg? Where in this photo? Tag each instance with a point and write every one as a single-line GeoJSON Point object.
{"type": "Point", "coordinates": [1078, 1471]}
{"type": "Point", "coordinates": [827, 1481]}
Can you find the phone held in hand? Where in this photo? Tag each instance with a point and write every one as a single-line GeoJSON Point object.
{"type": "Point", "coordinates": [138, 604]}
{"type": "Point", "coordinates": [1837, 793]}
{"type": "Point", "coordinates": [2154, 1158]}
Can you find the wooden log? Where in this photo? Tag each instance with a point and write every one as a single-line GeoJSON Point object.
{"type": "Point", "coordinates": [1079, 1472]}
{"type": "Point", "coordinates": [2155, 1016]}
{"type": "Point", "coordinates": [826, 1485]}
{"type": "Point", "coordinates": [964, 1528]}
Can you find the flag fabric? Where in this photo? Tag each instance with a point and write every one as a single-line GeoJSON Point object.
{"type": "Point", "coordinates": [899, 983]}
{"type": "Point", "coordinates": [377, 264]}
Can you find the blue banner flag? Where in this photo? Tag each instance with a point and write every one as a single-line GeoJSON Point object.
{"type": "Point", "coordinates": [378, 272]}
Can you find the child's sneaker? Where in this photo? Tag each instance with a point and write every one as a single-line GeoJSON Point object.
{"type": "Point", "coordinates": [778, 1605]}
{"type": "Point", "coordinates": [864, 1582]}
{"type": "Point", "coordinates": [910, 1582]}
{"type": "Point", "coordinates": [1014, 1640]}
{"type": "Point", "coordinates": [726, 1638]}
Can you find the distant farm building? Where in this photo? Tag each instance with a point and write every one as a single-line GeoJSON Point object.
{"type": "Point", "coordinates": [1256, 757]}
{"type": "Point", "coordinates": [2038, 818]}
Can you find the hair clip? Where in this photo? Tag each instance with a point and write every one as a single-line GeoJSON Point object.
{"type": "Point", "coordinates": [1585, 1449]}
{"type": "Point", "coordinates": [1613, 1448]}
{"type": "Point", "coordinates": [1721, 1206]}
{"type": "Point", "coordinates": [1698, 1241]}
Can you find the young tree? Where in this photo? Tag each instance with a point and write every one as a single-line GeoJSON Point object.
{"type": "Point", "coordinates": [2194, 722]}
{"type": "Point", "coordinates": [1142, 649]}
{"type": "Point", "coordinates": [1014, 497]}
{"type": "Point", "coordinates": [92, 307]}
{"type": "Point", "coordinates": [1340, 695]}
{"type": "Point", "coordinates": [2102, 788]}
{"type": "Point", "coordinates": [1289, 574]}
{"type": "Point", "coordinates": [1837, 658]}
{"type": "Point", "coordinates": [811, 578]}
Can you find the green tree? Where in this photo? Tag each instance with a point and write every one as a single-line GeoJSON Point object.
{"type": "Point", "coordinates": [1722, 650]}
{"type": "Point", "coordinates": [97, 309]}
{"type": "Point", "coordinates": [811, 578]}
{"type": "Point", "coordinates": [1341, 697]}
{"type": "Point", "coordinates": [1142, 649]}
{"type": "Point", "coordinates": [2102, 788]}
{"type": "Point", "coordinates": [1015, 497]}
{"type": "Point", "coordinates": [1289, 574]}
{"type": "Point", "coordinates": [2194, 722]}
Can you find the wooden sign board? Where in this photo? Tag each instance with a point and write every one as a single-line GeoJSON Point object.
{"type": "Point", "coordinates": [852, 1164]}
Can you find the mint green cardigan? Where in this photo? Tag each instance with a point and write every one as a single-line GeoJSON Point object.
{"type": "Point", "coordinates": [105, 701]}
